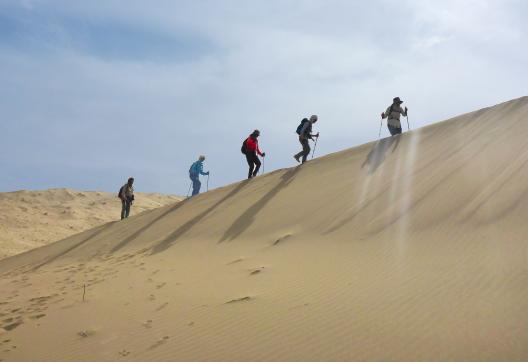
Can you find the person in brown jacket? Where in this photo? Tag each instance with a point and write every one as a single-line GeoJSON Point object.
{"type": "Point", "coordinates": [126, 194]}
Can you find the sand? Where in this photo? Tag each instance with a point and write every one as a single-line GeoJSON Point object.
{"type": "Point", "coordinates": [29, 219]}
{"type": "Point", "coordinates": [408, 249]}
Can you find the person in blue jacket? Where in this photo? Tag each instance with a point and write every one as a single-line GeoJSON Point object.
{"type": "Point", "coordinates": [194, 173]}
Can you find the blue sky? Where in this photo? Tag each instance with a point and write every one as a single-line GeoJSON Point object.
{"type": "Point", "coordinates": [93, 92]}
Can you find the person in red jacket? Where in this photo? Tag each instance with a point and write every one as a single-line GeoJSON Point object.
{"type": "Point", "coordinates": [252, 152]}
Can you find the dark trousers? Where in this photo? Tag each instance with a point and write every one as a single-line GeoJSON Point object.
{"type": "Point", "coordinates": [394, 130]}
{"type": "Point", "coordinates": [196, 184]}
{"type": "Point", "coordinates": [305, 151]}
{"type": "Point", "coordinates": [125, 208]}
{"type": "Point", "coordinates": [254, 164]}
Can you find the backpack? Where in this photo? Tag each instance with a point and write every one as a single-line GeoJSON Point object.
{"type": "Point", "coordinates": [243, 149]}
{"type": "Point", "coordinates": [300, 127]}
{"type": "Point", "coordinates": [120, 191]}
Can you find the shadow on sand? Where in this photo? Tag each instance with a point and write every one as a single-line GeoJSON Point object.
{"type": "Point", "coordinates": [246, 219]}
{"type": "Point", "coordinates": [174, 236]}
{"type": "Point", "coordinates": [147, 226]}
{"type": "Point", "coordinates": [97, 232]}
{"type": "Point", "coordinates": [378, 153]}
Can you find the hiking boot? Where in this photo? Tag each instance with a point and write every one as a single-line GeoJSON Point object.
{"type": "Point", "coordinates": [296, 159]}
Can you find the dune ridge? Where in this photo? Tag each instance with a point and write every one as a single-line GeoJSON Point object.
{"type": "Point", "coordinates": [410, 248]}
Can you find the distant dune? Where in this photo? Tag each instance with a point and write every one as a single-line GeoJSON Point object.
{"type": "Point", "coordinates": [29, 219]}
{"type": "Point", "coordinates": [412, 248]}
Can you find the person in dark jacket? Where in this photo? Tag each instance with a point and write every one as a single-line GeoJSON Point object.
{"type": "Point", "coordinates": [126, 194]}
{"type": "Point", "coordinates": [252, 152]}
{"type": "Point", "coordinates": [304, 136]}
{"type": "Point", "coordinates": [194, 174]}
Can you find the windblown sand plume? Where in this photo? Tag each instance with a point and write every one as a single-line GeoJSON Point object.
{"type": "Point", "coordinates": [29, 219]}
{"type": "Point", "coordinates": [410, 248]}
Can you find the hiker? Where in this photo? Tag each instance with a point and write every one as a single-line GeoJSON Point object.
{"type": "Point", "coordinates": [126, 194]}
{"type": "Point", "coordinates": [393, 114]}
{"type": "Point", "coordinates": [251, 149]}
{"type": "Point", "coordinates": [304, 130]}
{"type": "Point", "coordinates": [194, 173]}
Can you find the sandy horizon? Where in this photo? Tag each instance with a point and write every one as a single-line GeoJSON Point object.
{"type": "Point", "coordinates": [33, 218]}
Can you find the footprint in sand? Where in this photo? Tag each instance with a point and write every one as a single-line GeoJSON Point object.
{"type": "Point", "coordinates": [124, 353]}
{"type": "Point", "coordinates": [86, 333]}
{"type": "Point", "coordinates": [11, 326]}
{"type": "Point", "coordinates": [148, 324]}
{"type": "Point", "coordinates": [159, 343]}
{"type": "Point", "coordinates": [159, 286]}
{"type": "Point", "coordinates": [281, 239]}
{"type": "Point", "coordinates": [37, 316]}
{"type": "Point", "coordinates": [243, 299]}
{"type": "Point", "coordinates": [235, 261]}
{"type": "Point", "coordinates": [256, 271]}
{"type": "Point", "coordinates": [162, 306]}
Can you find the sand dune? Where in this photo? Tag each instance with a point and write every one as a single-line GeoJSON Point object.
{"type": "Point", "coordinates": [29, 219]}
{"type": "Point", "coordinates": [408, 249]}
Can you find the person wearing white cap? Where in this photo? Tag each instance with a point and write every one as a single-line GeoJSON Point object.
{"type": "Point", "coordinates": [393, 113]}
{"type": "Point", "coordinates": [304, 130]}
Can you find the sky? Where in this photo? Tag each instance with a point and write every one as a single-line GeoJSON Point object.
{"type": "Point", "coordinates": [93, 92]}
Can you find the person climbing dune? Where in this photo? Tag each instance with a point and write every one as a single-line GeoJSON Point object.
{"type": "Point", "coordinates": [304, 130]}
{"type": "Point", "coordinates": [393, 113]}
{"type": "Point", "coordinates": [251, 149]}
{"type": "Point", "coordinates": [194, 174]}
{"type": "Point", "coordinates": [126, 194]}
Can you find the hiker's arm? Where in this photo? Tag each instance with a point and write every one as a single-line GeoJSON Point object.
{"type": "Point", "coordinates": [404, 112]}
{"type": "Point", "coordinates": [386, 114]}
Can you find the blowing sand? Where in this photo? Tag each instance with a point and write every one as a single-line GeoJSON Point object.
{"type": "Point", "coordinates": [408, 249]}
{"type": "Point", "coordinates": [29, 219]}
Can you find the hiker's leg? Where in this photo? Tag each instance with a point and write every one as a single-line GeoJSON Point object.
{"type": "Point", "coordinates": [394, 130]}
{"type": "Point", "coordinates": [301, 153]}
{"type": "Point", "coordinates": [123, 209]}
{"type": "Point", "coordinates": [251, 165]}
{"type": "Point", "coordinates": [127, 207]}
{"type": "Point", "coordinates": [256, 161]}
{"type": "Point", "coordinates": [306, 150]}
{"type": "Point", "coordinates": [196, 185]}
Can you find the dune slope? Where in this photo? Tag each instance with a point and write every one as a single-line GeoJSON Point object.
{"type": "Point", "coordinates": [29, 219]}
{"type": "Point", "coordinates": [409, 248]}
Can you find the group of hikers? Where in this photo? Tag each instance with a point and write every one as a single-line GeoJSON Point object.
{"type": "Point", "coordinates": [250, 148]}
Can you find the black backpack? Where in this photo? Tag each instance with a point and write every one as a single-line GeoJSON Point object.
{"type": "Point", "coordinates": [243, 149]}
{"type": "Point", "coordinates": [120, 191]}
{"type": "Point", "coordinates": [300, 127]}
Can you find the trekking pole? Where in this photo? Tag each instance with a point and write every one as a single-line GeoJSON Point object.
{"type": "Point", "coordinates": [263, 165]}
{"type": "Point", "coordinates": [315, 146]}
{"type": "Point", "coordinates": [207, 183]}
{"type": "Point", "coordinates": [188, 192]}
{"type": "Point", "coordinates": [381, 125]}
{"type": "Point", "coordinates": [408, 128]}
